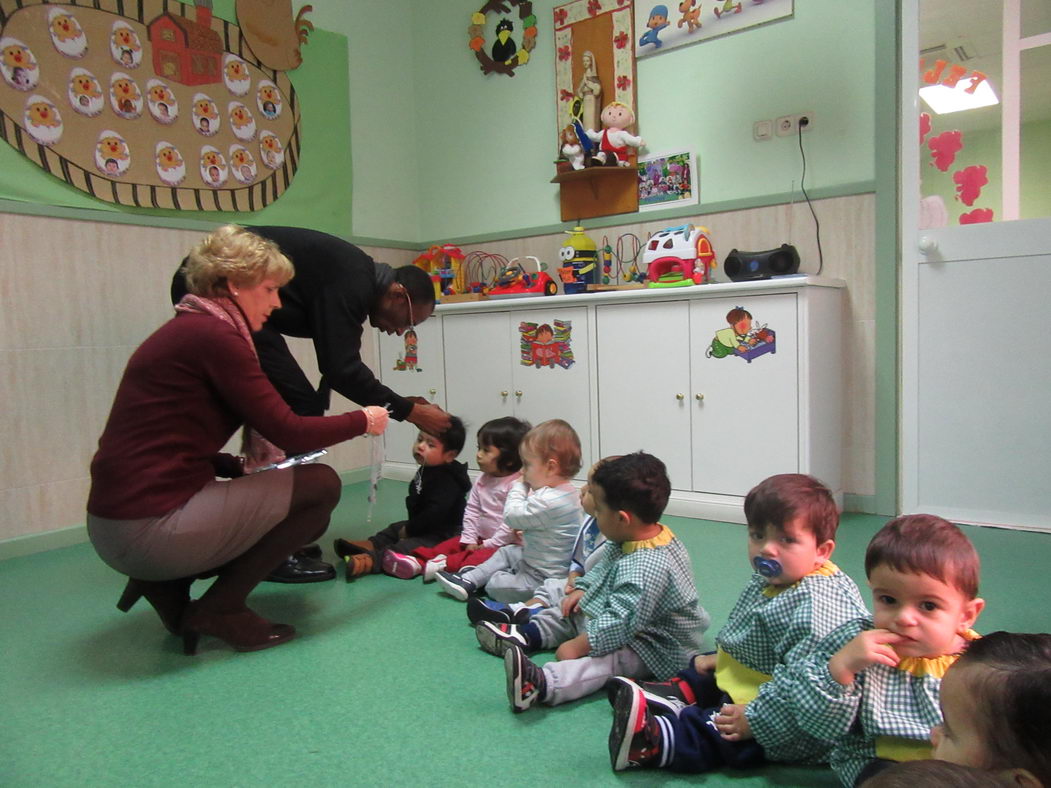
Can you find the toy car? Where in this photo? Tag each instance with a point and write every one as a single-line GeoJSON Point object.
{"type": "Point", "coordinates": [514, 281]}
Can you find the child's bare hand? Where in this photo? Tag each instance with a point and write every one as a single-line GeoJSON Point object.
{"type": "Point", "coordinates": [571, 602]}
{"type": "Point", "coordinates": [732, 723]}
{"type": "Point", "coordinates": [868, 648]}
{"type": "Point", "coordinates": [574, 649]}
{"type": "Point", "coordinates": [471, 547]}
{"type": "Point", "coordinates": [704, 663]}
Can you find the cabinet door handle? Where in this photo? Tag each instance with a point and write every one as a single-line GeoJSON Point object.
{"type": "Point", "coordinates": [518, 393]}
{"type": "Point", "coordinates": [503, 393]}
{"type": "Point", "coordinates": [433, 391]}
{"type": "Point", "coordinates": [680, 397]}
{"type": "Point", "coordinates": [699, 397]}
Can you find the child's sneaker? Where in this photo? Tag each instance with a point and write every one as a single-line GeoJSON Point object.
{"type": "Point", "coordinates": [498, 638]}
{"type": "Point", "coordinates": [456, 586]}
{"type": "Point", "coordinates": [636, 736]}
{"type": "Point", "coordinates": [526, 683]}
{"type": "Point", "coordinates": [399, 565]}
{"type": "Point", "coordinates": [432, 567]}
{"type": "Point", "coordinates": [479, 610]}
{"type": "Point", "coordinates": [665, 697]}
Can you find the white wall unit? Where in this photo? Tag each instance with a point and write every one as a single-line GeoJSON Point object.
{"type": "Point", "coordinates": [486, 379]}
{"type": "Point", "coordinates": [643, 378]}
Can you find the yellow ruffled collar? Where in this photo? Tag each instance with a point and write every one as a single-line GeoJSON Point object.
{"type": "Point", "coordinates": [661, 539]}
{"type": "Point", "coordinates": [827, 569]}
{"type": "Point", "coordinates": [934, 666]}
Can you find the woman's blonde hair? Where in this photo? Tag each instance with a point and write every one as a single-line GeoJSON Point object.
{"type": "Point", "coordinates": [234, 255]}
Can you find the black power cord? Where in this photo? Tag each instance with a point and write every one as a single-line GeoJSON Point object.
{"type": "Point", "coordinates": [803, 122]}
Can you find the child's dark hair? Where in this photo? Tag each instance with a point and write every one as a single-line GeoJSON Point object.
{"type": "Point", "coordinates": [932, 774]}
{"type": "Point", "coordinates": [453, 438]}
{"type": "Point", "coordinates": [555, 439]}
{"type": "Point", "coordinates": [929, 545]}
{"type": "Point", "coordinates": [636, 483]}
{"type": "Point", "coordinates": [504, 434]}
{"type": "Point", "coordinates": [786, 497]}
{"type": "Point", "coordinates": [1014, 681]}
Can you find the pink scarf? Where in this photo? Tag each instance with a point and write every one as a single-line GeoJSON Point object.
{"type": "Point", "coordinates": [258, 450]}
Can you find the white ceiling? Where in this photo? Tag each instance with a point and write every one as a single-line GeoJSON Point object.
{"type": "Point", "coordinates": [977, 25]}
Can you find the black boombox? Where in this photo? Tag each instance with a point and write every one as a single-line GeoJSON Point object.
{"type": "Point", "coordinates": [743, 266]}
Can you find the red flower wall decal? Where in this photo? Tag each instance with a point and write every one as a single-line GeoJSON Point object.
{"type": "Point", "coordinates": [944, 148]}
{"type": "Point", "coordinates": [564, 53]}
{"type": "Point", "coordinates": [969, 182]}
{"type": "Point", "coordinates": [977, 216]}
{"type": "Point", "coordinates": [620, 40]}
{"type": "Point", "coordinates": [594, 6]}
{"type": "Point", "coordinates": [560, 16]}
{"type": "Point", "coordinates": [623, 82]}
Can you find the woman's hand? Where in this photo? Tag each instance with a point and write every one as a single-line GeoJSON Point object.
{"type": "Point", "coordinates": [378, 419]}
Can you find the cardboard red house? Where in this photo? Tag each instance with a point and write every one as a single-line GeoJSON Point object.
{"type": "Point", "coordinates": [187, 51]}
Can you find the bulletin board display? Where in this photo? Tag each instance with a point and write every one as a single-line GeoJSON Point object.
{"type": "Point", "coordinates": [164, 107]}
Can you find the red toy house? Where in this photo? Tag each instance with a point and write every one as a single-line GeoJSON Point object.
{"type": "Point", "coordinates": [186, 51]}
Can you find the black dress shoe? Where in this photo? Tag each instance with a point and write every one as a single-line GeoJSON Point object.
{"type": "Point", "coordinates": [296, 569]}
{"type": "Point", "coordinates": [310, 551]}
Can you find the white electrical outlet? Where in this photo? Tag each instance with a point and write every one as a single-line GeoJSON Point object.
{"type": "Point", "coordinates": [789, 125]}
{"type": "Point", "coordinates": [762, 130]}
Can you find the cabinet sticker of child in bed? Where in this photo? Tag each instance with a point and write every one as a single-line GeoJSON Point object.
{"type": "Point", "coordinates": [547, 344]}
{"type": "Point", "coordinates": [742, 338]}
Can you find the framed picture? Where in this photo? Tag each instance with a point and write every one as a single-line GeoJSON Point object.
{"type": "Point", "coordinates": [667, 180]}
{"type": "Point", "coordinates": [661, 27]}
{"type": "Point", "coordinates": [594, 61]}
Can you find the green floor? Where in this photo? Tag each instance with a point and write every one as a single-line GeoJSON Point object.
{"type": "Point", "coordinates": [385, 684]}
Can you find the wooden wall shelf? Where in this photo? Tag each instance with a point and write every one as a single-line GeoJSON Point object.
{"type": "Point", "coordinates": [597, 191]}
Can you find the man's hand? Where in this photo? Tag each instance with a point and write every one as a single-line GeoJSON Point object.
{"type": "Point", "coordinates": [732, 723]}
{"type": "Point", "coordinates": [868, 648]}
{"type": "Point", "coordinates": [429, 418]}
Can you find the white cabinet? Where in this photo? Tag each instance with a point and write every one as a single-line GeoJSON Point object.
{"type": "Point", "coordinates": [720, 423]}
{"type": "Point", "coordinates": [644, 398]}
{"type": "Point", "coordinates": [494, 367]}
{"type": "Point", "coordinates": [745, 406]}
{"type": "Point", "coordinates": [413, 369]}
{"type": "Point", "coordinates": [644, 375]}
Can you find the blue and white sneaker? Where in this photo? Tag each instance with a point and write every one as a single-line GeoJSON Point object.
{"type": "Point", "coordinates": [479, 610]}
{"type": "Point", "coordinates": [456, 586]}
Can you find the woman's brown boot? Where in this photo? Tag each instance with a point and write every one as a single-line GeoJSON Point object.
{"type": "Point", "coordinates": [242, 629]}
{"type": "Point", "coordinates": [168, 597]}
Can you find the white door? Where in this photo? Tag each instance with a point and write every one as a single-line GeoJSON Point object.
{"type": "Point", "coordinates": [644, 396]}
{"type": "Point", "coordinates": [550, 369]}
{"type": "Point", "coordinates": [975, 258]}
{"type": "Point", "coordinates": [744, 393]}
{"type": "Point", "coordinates": [478, 371]}
{"type": "Point", "coordinates": [412, 367]}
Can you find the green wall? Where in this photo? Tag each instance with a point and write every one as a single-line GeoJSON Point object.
{"type": "Point", "coordinates": [484, 144]}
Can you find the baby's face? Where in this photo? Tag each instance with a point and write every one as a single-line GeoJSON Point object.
{"type": "Point", "coordinates": [794, 547]}
{"type": "Point", "coordinates": [928, 614]}
{"type": "Point", "coordinates": [959, 739]}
